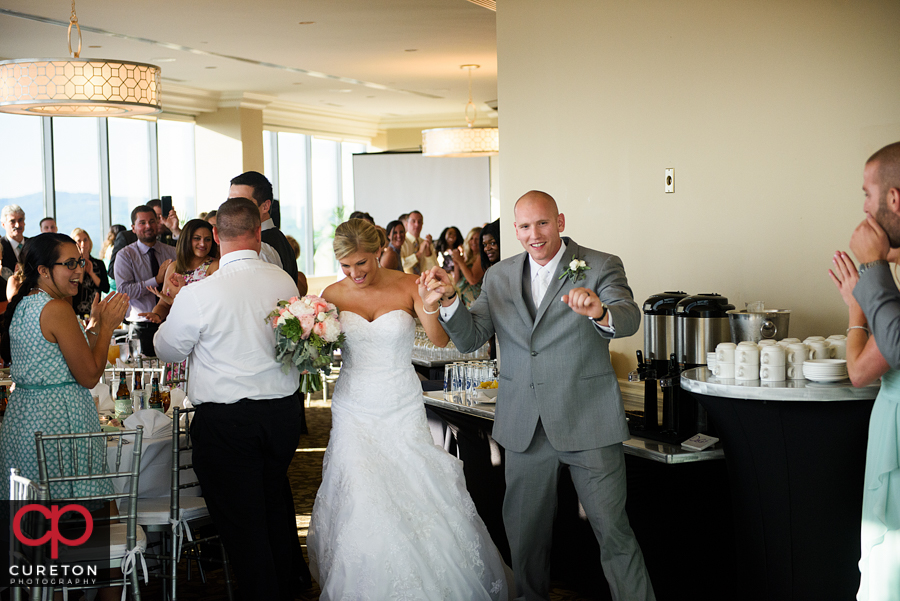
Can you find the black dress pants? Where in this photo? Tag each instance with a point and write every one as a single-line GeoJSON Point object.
{"type": "Point", "coordinates": [241, 455]}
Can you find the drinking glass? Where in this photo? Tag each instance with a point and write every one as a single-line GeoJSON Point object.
{"type": "Point", "coordinates": [113, 353]}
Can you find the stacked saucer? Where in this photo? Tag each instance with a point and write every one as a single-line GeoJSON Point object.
{"type": "Point", "coordinates": [825, 370]}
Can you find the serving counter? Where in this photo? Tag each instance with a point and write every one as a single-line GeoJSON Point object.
{"type": "Point", "coordinates": [796, 455]}
{"type": "Point", "coordinates": [675, 498]}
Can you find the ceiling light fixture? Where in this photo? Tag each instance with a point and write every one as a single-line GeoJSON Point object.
{"type": "Point", "coordinates": [466, 141]}
{"type": "Point", "coordinates": [79, 87]}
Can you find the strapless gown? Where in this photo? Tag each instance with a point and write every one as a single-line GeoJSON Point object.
{"type": "Point", "coordinates": [392, 518]}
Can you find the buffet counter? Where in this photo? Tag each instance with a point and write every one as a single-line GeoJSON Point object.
{"type": "Point", "coordinates": [636, 446]}
{"type": "Point", "coordinates": [674, 497]}
{"type": "Point", "coordinates": [796, 455]}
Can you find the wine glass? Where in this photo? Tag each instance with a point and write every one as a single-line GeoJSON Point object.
{"type": "Point", "coordinates": [113, 353]}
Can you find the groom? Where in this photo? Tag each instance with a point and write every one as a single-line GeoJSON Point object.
{"type": "Point", "coordinates": [559, 404]}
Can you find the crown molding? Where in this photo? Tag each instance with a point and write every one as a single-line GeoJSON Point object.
{"type": "Point", "coordinates": [293, 116]}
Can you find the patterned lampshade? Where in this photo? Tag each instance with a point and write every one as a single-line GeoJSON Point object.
{"type": "Point", "coordinates": [461, 141]}
{"type": "Point", "coordinates": [79, 87]}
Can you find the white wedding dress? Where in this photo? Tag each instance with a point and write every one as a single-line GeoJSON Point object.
{"type": "Point", "coordinates": [392, 518]}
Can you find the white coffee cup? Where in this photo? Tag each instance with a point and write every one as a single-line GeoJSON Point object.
{"type": "Point", "coordinates": [772, 373]}
{"type": "Point", "coordinates": [724, 371]}
{"type": "Point", "coordinates": [771, 355]}
{"type": "Point", "coordinates": [820, 349]}
{"type": "Point", "coordinates": [746, 371]}
{"type": "Point", "coordinates": [838, 348]}
{"type": "Point", "coordinates": [711, 361]}
{"type": "Point", "coordinates": [794, 371]}
{"type": "Point", "coordinates": [789, 340]}
{"type": "Point", "coordinates": [837, 337]}
{"type": "Point", "coordinates": [796, 354]}
{"type": "Point", "coordinates": [746, 355]}
{"type": "Point", "coordinates": [813, 339]}
{"type": "Point", "coordinates": [725, 352]}
{"type": "Point", "coordinates": [766, 342]}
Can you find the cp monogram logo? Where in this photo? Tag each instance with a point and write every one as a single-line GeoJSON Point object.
{"type": "Point", "coordinates": [53, 513]}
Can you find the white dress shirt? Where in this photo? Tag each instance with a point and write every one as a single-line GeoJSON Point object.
{"type": "Point", "coordinates": [219, 322]}
{"type": "Point", "coordinates": [15, 245]}
{"type": "Point", "coordinates": [269, 254]}
{"type": "Point", "coordinates": [447, 312]}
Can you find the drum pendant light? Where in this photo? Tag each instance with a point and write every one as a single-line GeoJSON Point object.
{"type": "Point", "coordinates": [467, 141]}
{"type": "Point", "coordinates": [79, 87]}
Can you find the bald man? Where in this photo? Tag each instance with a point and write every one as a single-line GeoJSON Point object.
{"type": "Point", "coordinates": [554, 309]}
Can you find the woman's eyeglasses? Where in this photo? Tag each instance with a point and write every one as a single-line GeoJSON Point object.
{"type": "Point", "coordinates": [72, 263]}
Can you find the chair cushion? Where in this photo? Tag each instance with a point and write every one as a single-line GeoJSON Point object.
{"type": "Point", "coordinates": [117, 547]}
{"type": "Point", "coordinates": [153, 512]}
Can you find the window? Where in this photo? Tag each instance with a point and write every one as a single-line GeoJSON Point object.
{"type": "Point", "coordinates": [328, 211]}
{"type": "Point", "coordinates": [21, 168]}
{"type": "Point", "coordinates": [129, 168]}
{"type": "Point", "coordinates": [76, 164]}
{"type": "Point", "coordinates": [177, 174]}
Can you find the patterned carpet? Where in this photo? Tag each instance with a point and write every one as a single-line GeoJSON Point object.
{"type": "Point", "coordinates": [305, 476]}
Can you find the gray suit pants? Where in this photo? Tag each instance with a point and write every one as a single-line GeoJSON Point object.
{"type": "Point", "coordinates": [529, 508]}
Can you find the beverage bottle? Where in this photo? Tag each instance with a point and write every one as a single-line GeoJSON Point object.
{"type": "Point", "coordinates": [4, 401]}
{"type": "Point", "coordinates": [155, 398]}
{"type": "Point", "coordinates": [123, 399]}
{"type": "Point", "coordinates": [138, 374]}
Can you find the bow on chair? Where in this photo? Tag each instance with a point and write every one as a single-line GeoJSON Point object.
{"type": "Point", "coordinates": [180, 529]}
{"type": "Point", "coordinates": [129, 562]}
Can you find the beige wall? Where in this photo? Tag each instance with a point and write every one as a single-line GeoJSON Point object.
{"type": "Point", "coordinates": [767, 111]}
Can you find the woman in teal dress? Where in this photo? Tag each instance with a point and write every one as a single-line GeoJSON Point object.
{"type": "Point", "coordinates": [879, 562]}
{"type": "Point", "coordinates": [54, 360]}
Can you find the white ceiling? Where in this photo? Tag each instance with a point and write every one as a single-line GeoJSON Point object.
{"type": "Point", "coordinates": [391, 59]}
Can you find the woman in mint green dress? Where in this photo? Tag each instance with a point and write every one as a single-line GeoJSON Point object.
{"type": "Point", "coordinates": [54, 360]}
{"type": "Point", "coordinates": [879, 563]}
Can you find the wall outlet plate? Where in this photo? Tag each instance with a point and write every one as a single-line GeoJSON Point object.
{"type": "Point", "coordinates": [670, 180]}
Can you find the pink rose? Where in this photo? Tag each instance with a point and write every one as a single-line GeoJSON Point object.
{"type": "Point", "coordinates": [320, 306]}
{"type": "Point", "coordinates": [320, 329]}
{"type": "Point", "coordinates": [307, 322]}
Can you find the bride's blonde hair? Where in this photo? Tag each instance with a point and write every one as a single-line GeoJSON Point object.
{"type": "Point", "coordinates": [358, 235]}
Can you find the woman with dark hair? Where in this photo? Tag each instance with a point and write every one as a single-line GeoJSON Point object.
{"type": "Point", "coordinates": [490, 244]}
{"type": "Point", "coordinates": [55, 360]}
{"type": "Point", "coordinates": [195, 259]}
{"type": "Point", "coordinates": [396, 234]}
{"type": "Point", "coordinates": [451, 238]}
{"type": "Point", "coordinates": [106, 251]}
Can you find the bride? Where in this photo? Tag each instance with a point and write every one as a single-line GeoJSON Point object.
{"type": "Point", "coordinates": [392, 518]}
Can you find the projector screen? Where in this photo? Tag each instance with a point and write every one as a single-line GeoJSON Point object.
{"type": "Point", "coordinates": [448, 191]}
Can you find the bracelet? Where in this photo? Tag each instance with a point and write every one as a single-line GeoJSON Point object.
{"type": "Point", "coordinates": [858, 328]}
{"type": "Point", "coordinates": [427, 312]}
{"type": "Point", "coordinates": [91, 333]}
{"type": "Point", "coordinates": [449, 297]}
{"type": "Point", "coordinates": [602, 315]}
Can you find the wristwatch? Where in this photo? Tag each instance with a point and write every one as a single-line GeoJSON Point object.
{"type": "Point", "coordinates": [865, 266]}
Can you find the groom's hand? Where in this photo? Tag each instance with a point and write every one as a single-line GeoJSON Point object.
{"type": "Point", "coordinates": [585, 302]}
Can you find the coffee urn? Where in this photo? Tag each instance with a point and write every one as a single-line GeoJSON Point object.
{"type": "Point", "coordinates": [653, 364]}
{"type": "Point", "coordinates": [701, 323]}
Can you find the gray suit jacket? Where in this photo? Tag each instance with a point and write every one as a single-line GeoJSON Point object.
{"type": "Point", "coordinates": [879, 299]}
{"type": "Point", "coordinates": [554, 367]}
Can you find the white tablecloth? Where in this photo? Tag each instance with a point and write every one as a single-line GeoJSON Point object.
{"type": "Point", "coordinates": [156, 468]}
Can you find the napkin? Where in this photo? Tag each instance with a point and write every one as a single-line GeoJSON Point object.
{"type": "Point", "coordinates": [156, 424]}
{"type": "Point", "coordinates": [107, 404]}
{"type": "Point", "coordinates": [176, 399]}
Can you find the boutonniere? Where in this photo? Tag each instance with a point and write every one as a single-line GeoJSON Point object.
{"type": "Point", "coordinates": [575, 271]}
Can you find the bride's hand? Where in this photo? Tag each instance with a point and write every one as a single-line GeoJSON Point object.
{"type": "Point", "coordinates": [844, 276]}
{"type": "Point", "coordinates": [433, 284]}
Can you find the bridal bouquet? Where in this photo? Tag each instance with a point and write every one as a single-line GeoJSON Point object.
{"type": "Point", "coordinates": [307, 332]}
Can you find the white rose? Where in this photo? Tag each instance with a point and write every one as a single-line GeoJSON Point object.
{"type": "Point", "coordinates": [281, 321]}
{"type": "Point", "coordinates": [574, 264]}
{"type": "Point", "coordinates": [300, 308]}
{"type": "Point", "coordinates": [332, 330]}
{"type": "Point", "coordinates": [581, 264]}
{"type": "Point", "coordinates": [322, 316]}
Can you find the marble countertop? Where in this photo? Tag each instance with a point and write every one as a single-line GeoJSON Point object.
{"type": "Point", "coordinates": [701, 381]}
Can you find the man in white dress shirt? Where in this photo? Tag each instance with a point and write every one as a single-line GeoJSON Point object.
{"type": "Point", "coordinates": [246, 428]}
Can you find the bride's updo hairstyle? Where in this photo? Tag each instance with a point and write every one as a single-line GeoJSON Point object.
{"type": "Point", "coordinates": [358, 235]}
